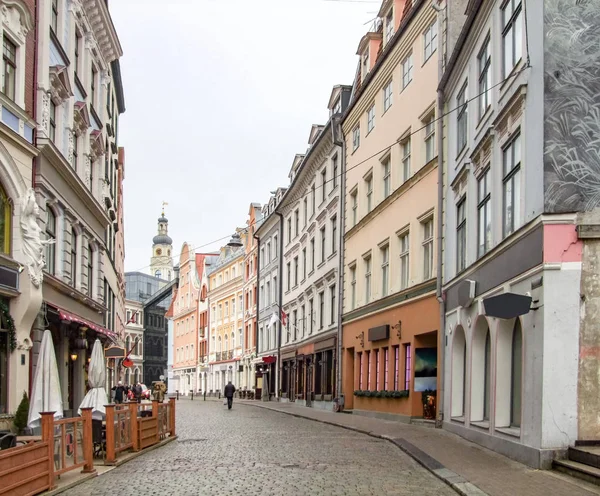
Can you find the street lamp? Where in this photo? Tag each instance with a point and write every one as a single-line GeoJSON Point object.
{"type": "Point", "coordinates": [235, 241]}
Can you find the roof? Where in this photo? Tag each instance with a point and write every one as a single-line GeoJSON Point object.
{"type": "Point", "coordinates": [203, 259]}
{"type": "Point", "coordinates": [162, 239]}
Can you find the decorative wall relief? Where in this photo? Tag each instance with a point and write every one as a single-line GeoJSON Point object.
{"type": "Point", "coordinates": [71, 146]}
{"type": "Point", "coordinates": [45, 123]}
{"type": "Point", "coordinates": [571, 105]}
{"type": "Point", "coordinates": [33, 243]}
{"type": "Point", "coordinates": [88, 171]}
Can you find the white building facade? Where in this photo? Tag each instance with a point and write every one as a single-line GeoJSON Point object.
{"type": "Point", "coordinates": [134, 341]}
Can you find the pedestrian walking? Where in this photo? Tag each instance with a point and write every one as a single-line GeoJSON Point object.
{"type": "Point", "coordinates": [229, 390]}
{"type": "Point", "coordinates": [119, 390]}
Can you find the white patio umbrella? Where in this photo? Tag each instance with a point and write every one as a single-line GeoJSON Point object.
{"type": "Point", "coordinates": [45, 392]}
{"type": "Point", "coordinates": [96, 397]}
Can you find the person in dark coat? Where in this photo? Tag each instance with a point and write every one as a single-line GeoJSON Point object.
{"type": "Point", "coordinates": [229, 390]}
{"type": "Point", "coordinates": [119, 391]}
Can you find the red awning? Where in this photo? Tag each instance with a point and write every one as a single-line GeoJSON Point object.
{"type": "Point", "coordinates": [71, 317]}
{"type": "Point", "coordinates": [269, 359]}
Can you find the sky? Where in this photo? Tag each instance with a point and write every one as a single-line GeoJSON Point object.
{"type": "Point", "coordinates": [220, 95]}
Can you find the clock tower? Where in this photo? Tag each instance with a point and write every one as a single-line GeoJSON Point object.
{"type": "Point", "coordinates": [161, 262]}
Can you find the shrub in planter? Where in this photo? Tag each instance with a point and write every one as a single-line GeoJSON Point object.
{"type": "Point", "coordinates": [20, 421]}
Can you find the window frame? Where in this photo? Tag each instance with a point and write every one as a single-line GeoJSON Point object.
{"type": "Point", "coordinates": [430, 41]}
{"type": "Point", "coordinates": [7, 62]}
{"type": "Point", "coordinates": [511, 27]}
{"type": "Point", "coordinates": [462, 119]}
{"type": "Point", "coordinates": [484, 213]}
{"type": "Point", "coordinates": [50, 231]}
{"type": "Point", "coordinates": [406, 154]}
{"type": "Point", "coordinates": [484, 75]}
{"type": "Point", "coordinates": [356, 138]}
{"type": "Point", "coordinates": [384, 251]}
{"type": "Point", "coordinates": [388, 92]}
{"type": "Point", "coordinates": [461, 234]}
{"type": "Point", "coordinates": [371, 118]}
{"type": "Point", "coordinates": [407, 70]}
{"type": "Point", "coordinates": [429, 140]}
{"type": "Point", "coordinates": [427, 249]}
{"type": "Point", "coordinates": [368, 262]}
{"type": "Point", "coordinates": [514, 177]}
{"type": "Point", "coordinates": [386, 163]}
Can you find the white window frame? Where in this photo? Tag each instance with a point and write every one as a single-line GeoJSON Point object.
{"type": "Point", "coordinates": [384, 251]}
{"type": "Point", "coordinates": [484, 213]}
{"type": "Point", "coordinates": [511, 184]}
{"type": "Point", "coordinates": [371, 118]}
{"type": "Point", "coordinates": [429, 131]}
{"type": "Point", "coordinates": [407, 70]}
{"type": "Point", "coordinates": [430, 41]}
{"type": "Point", "coordinates": [461, 235]}
{"type": "Point", "coordinates": [512, 35]}
{"type": "Point", "coordinates": [427, 226]}
{"type": "Point", "coordinates": [462, 119]}
{"type": "Point", "coordinates": [484, 71]}
{"type": "Point", "coordinates": [404, 241]}
{"type": "Point", "coordinates": [356, 138]}
{"type": "Point", "coordinates": [386, 165]}
{"type": "Point", "coordinates": [388, 95]}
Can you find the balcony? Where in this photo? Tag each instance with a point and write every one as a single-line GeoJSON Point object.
{"type": "Point", "coordinates": [107, 195]}
{"type": "Point", "coordinates": [229, 354]}
{"type": "Point", "coordinates": [218, 356]}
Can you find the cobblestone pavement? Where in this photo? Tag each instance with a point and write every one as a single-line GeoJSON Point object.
{"type": "Point", "coordinates": [251, 451]}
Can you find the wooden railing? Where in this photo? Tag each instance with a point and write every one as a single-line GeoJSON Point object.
{"type": "Point", "coordinates": [25, 469]}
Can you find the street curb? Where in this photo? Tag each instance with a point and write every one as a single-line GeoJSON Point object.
{"type": "Point", "coordinates": [452, 479]}
{"type": "Point", "coordinates": [71, 485]}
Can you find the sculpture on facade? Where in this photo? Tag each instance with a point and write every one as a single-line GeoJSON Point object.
{"type": "Point", "coordinates": [31, 235]}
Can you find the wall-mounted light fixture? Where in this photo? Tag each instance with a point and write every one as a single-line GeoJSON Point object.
{"type": "Point", "coordinates": [73, 356]}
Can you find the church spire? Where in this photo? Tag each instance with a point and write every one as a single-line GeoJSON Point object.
{"type": "Point", "coordinates": [161, 262]}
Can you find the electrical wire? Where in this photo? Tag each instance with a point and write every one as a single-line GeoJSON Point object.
{"type": "Point", "coordinates": [376, 154]}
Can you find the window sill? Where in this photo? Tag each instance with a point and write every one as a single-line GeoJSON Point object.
{"type": "Point", "coordinates": [332, 256]}
{"type": "Point", "coordinates": [482, 424]}
{"type": "Point", "coordinates": [460, 419]}
{"type": "Point", "coordinates": [510, 431]}
{"type": "Point", "coordinates": [427, 59]}
{"type": "Point", "coordinates": [461, 155]}
{"type": "Point", "coordinates": [321, 264]}
{"type": "Point", "coordinates": [509, 80]}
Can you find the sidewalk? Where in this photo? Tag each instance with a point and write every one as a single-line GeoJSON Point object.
{"type": "Point", "coordinates": [469, 468]}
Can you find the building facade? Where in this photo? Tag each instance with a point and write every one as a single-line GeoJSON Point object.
{"type": "Point", "coordinates": [21, 262]}
{"type": "Point", "coordinates": [312, 211]}
{"type": "Point", "coordinates": [518, 267]}
{"type": "Point", "coordinates": [250, 296]}
{"type": "Point", "coordinates": [134, 341]}
{"type": "Point", "coordinates": [79, 97]}
{"type": "Point", "coordinates": [269, 298]}
{"type": "Point", "coordinates": [390, 311]}
{"type": "Point", "coordinates": [226, 319]}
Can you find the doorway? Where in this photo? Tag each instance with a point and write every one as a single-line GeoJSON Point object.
{"type": "Point", "coordinates": [309, 379]}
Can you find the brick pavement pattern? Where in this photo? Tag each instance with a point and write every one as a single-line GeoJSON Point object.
{"type": "Point", "coordinates": [253, 451]}
{"type": "Point", "coordinates": [492, 473]}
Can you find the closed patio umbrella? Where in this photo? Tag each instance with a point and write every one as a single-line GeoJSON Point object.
{"type": "Point", "coordinates": [96, 397]}
{"type": "Point", "coordinates": [45, 391]}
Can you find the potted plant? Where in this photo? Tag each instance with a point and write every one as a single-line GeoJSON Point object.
{"type": "Point", "coordinates": [20, 420]}
{"type": "Point", "coordinates": [428, 398]}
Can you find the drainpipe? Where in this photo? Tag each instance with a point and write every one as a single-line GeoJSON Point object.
{"type": "Point", "coordinates": [34, 90]}
{"type": "Point", "coordinates": [279, 306]}
{"type": "Point", "coordinates": [440, 224]}
{"type": "Point", "coordinates": [257, 292]}
{"type": "Point", "coordinates": [335, 127]}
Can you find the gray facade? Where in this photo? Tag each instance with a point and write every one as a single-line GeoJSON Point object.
{"type": "Point", "coordinates": [140, 286]}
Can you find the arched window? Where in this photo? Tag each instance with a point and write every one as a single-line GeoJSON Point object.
{"type": "Point", "coordinates": [232, 340]}
{"type": "Point", "coordinates": [157, 273]}
{"type": "Point", "coordinates": [90, 270]}
{"type": "Point", "coordinates": [5, 222]}
{"type": "Point", "coordinates": [481, 372]}
{"type": "Point", "coordinates": [51, 247]}
{"type": "Point", "coordinates": [233, 272]}
{"type": "Point", "coordinates": [459, 355]}
{"type": "Point", "coordinates": [127, 343]}
{"type": "Point", "coordinates": [516, 375]}
{"type": "Point", "coordinates": [509, 374]}
{"type": "Point", "coordinates": [219, 349]}
{"type": "Point", "coordinates": [225, 343]}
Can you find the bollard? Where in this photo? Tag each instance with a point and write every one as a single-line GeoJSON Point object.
{"type": "Point", "coordinates": [177, 391]}
{"type": "Point", "coordinates": [204, 395]}
{"type": "Point", "coordinates": [192, 398]}
{"type": "Point", "coordinates": [219, 394]}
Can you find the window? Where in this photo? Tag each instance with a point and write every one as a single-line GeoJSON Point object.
{"type": "Point", "coordinates": [387, 186]}
{"type": "Point", "coordinates": [334, 234]}
{"type": "Point", "coordinates": [54, 18]}
{"type": "Point", "coordinates": [429, 139]}
{"type": "Point", "coordinates": [75, 151]}
{"type": "Point", "coordinates": [404, 260]}
{"type": "Point", "coordinates": [323, 239]}
{"type": "Point", "coordinates": [387, 97]}
{"type": "Point", "coordinates": [90, 274]}
{"type": "Point", "coordinates": [485, 76]}
{"type": "Point", "coordinates": [377, 383]}
{"type": "Point", "coordinates": [93, 86]}
{"type": "Point", "coordinates": [51, 245]}
{"type": "Point", "coordinates": [297, 221]}
{"type": "Point", "coordinates": [370, 118]}
{"type": "Point", "coordinates": [333, 307]}
{"type": "Point", "coordinates": [305, 211]}
{"type": "Point", "coordinates": [461, 119]}
{"type": "Point", "coordinates": [304, 263]}
{"type": "Point", "coordinates": [73, 258]}
{"type": "Point", "coordinates": [337, 108]}
{"type": "Point", "coordinates": [77, 46]}
{"type": "Point", "coordinates": [407, 366]}
{"type": "Point", "coordinates": [427, 249]}
{"type": "Point", "coordinates": [405, 159]}
{"type": "Point", "coordinates": [407, 70]}
{"type": "Point", "coordinates": [268, 293]}
{"type": "Point", "coordinates": [289, 230]}
{"type": "Point", "coordinates": [295, 323]}
{"type": "Point", "coordinates": [303, 318]}
{"type": "Point", "coordinates": [367, 261]}
{"type": "Point", "coordinates": [321, 309]}
{"type": "Point", "coordinates": [275, 247]}
{"type": "Point", "coordinates": [355, 138]}
{"type": "Point", "coordinates": [385, 368]}
{"type": "Point", "coordinates": [461, 235]}
{"type": "Point", "coordinates": [360, 371]}
{"type": "Point", "coordinates": [430, 41]}
{"type": "Point", "coordinates": [295, 271]}
{"type": "Point", "coordinates": [353, 287]}
{"type": "Point", "coordinates": [52, 121]}
{"type": "Point", "coordinates": [334, 173]}
{"type": "Point", "coordinates": [512, 35]}
{"type": "Point", "coordinates": [310, 316]}
{"type": "Point", "coordinates": [511, 184]}
{"type": "Point", "coordinates": [312, 254]}
{"type": "Point", "coordinates": [389, 26]}
{"type": "Point", "coordinates": [484, 214]}
{"type": "Point", "coordinates": [385, 269]}
{"type": "Point", "coordinates": [516, 375]}
{"type": "Point", "coordinates": [323, 184]}
{"type": "Point", "coordinates": [226, 309]}
{"type": "Point", "coordinates": [354, 202]}
{"type": "Point", "coordinates": [396, 366]}
{"type": "Point", "coordinates": [262, 257]}
{"type": "Point", "coordinates": [232, 308]}
{"type": "Point", "coordinates": [365, 64]}
{"type": "Point", "coordinates": [289, 275]}
{"type": "Point", "coordinates": [368, 370]}
{"type": "Point", "coordinates": [369, 190]}
{"type": "Point", "coordinates": [312, 191]}
{"type": "Point", "coordinates": [9, 68]}
{"type": "Point", "coordinates": [6, 224]}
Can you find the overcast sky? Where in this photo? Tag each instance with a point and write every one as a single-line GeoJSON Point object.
{"type": "Point", "coordinates": [220, 96]}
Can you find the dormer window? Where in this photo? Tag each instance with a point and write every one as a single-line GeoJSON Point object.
{"type": "Point", "coordinates": [337, 108]}
{"type": "Point", "coordinates": [365, 64]}
{"type": "Point", "coordinates": [389, 26]}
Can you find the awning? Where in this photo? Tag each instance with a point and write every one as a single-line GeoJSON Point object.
{"type": "Point", "coordinates": [269, 359]}
{"type": "Point", "coordinates": [80, 320]}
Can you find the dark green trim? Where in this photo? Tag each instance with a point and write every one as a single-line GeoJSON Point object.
{"type": "Point", "coordinates": [392, 300]}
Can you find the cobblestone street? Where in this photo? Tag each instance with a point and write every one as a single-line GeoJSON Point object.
{"type": "Point", "coordinates": [254, 451]}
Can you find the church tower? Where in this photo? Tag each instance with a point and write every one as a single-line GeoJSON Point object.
{"type": "Point", "coordinates": [161, 263]}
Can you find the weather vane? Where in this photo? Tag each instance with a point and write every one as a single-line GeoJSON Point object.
{"type": "Point", "coordinates": [164, 204]}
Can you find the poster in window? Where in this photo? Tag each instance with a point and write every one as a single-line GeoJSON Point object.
{"type": "Point", "coordinates": [425, 369]}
